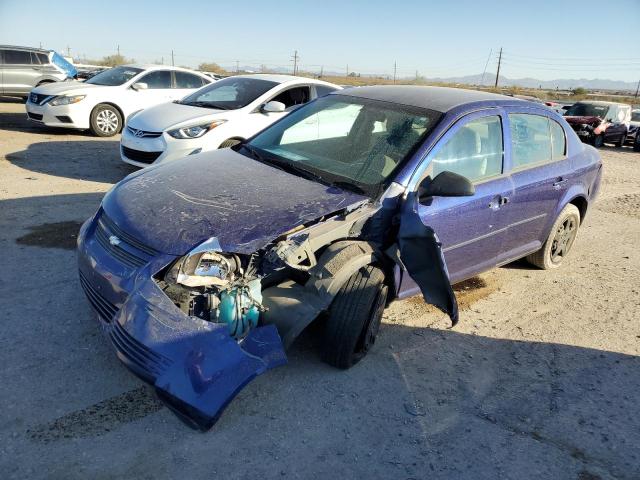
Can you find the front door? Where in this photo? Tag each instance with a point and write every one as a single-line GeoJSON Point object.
{"type": "Point", "coordinates": [470, 229]}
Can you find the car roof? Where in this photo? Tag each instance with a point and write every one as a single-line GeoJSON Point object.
{"type": "Point", "coordinates": [441, 99]}
{"type": "Point", "coordinates": [153, 66]}
{"type": "Point", "coordinates": [281, 78]}
{"type": "Point", "coordinates": [31, 49]}
{"type": "Point", "coordinates": [601, 102]}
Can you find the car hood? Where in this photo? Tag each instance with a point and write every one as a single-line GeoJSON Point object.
{"type": "Point", "coordinates": [244, 203]}
{"type": "Point", "coordinates": [59, 88]}
{"type": "Point", "coordinates": [583, 120]}
{"type": "Point", "coordinates": [160, 117]}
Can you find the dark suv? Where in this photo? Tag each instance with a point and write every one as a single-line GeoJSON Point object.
{"type": "Point", "coordinates": [23, 68]}
{"type": "Point", "coordinates": [598, 123]}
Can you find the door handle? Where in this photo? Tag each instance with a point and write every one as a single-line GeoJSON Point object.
{"type": "Point", "coordinates": [498, 202]}
{"type": "Point", "coordinates": [504, 200]}
{"type": "Point", "coordinates": [559, 182]}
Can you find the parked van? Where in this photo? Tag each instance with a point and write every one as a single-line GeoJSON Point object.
{"type": "Point", "coordinates": [23, 68]}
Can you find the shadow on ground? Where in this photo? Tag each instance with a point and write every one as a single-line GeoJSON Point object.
{"type": "Point", "coordinates": [95, 160]}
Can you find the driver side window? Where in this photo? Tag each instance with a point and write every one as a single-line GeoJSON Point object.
{"type": "Point", "coordinates": [157, 79]}
{"type": "Point", "coordinates": [475, 151]}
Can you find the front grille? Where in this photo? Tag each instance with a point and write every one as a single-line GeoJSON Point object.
{"type": "Point", "coordinates": [120, 245]}
{"type": "Point", "coordinates": [139, 155]}
{"type": "Point", "coordinates": [142, 357]}
{"type": "Point", "coordinates": [38, 98]}
{"type": "Point", "coordinates": [101, 305]}
{"type": "Point", "coordinates": [143, 133]}
{"type": "Point", "coordinates": [35, 116]}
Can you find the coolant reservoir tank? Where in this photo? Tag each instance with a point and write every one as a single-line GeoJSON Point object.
{"type": "Point", "coordinates": [239, 308]}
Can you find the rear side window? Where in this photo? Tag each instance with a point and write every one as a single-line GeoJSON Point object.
{"type": "Point", "coordinates": [530, 139]}
{"type": "Point", "coordinates": [188, 80]}
{"type": "Point", "coordinates": [558, 141]}
{"type": "Point", "coordinates": [17, 57]}
{"type": "Point", "coordinates": [157, 79]}
{"type": "Point", "coordinates": [42, 58]}
{"type": "Point", "coordinates": [474, 151]}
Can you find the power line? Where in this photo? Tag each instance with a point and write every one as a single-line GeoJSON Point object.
{"type": "Point", "coordinates": [485, 66]}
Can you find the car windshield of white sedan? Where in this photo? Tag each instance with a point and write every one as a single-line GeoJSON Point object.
{"type": "Point", "coordinates": [114, 76]}
{"type": "Point", "coordinates": [347, 140]}
{"type": "Point", "coordinates": [229, 94]}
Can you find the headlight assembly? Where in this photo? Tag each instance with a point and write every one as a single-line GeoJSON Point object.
{"type": "Point", "coordinates": [66, 100]}
{"type": "Point", "coordinates": [205, 266]}
{"type": "Point", "coordinates": [195, 131]}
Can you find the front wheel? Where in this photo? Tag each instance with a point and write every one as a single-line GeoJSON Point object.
{"type": "Point", "coordinates": [620, 142]}
{"type": "Point", "coordinates": [560, 240]}
{"type": "Point", "coordinates": [105, 120]}
{"type": "Point", "coordinates": [354, 318]}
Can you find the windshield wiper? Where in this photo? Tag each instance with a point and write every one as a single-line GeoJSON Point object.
{"type": "Point", "coordinates": [206, 105]}
{"type": "Point", "coordinates": [348, 186]}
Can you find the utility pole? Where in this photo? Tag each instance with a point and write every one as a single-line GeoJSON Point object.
{"type": "Point", "coordinates": [637, 89]}
{"type": "Point", "coordinates": [162, 60]}
{"type": "Point", "coordinates": [498, 71]}
{"type": "Point", "coordinates": [237, 66]}
{"type": "Point", "coordinates": [68, 51]}
{"type": "Point", "coordinates": [295, 59]}
{"type": "Point", "coordinates": [321, 71]}
{"type": "Point", "coordinates": [118, 50]}
{"type": "Point", "coordinates": [416, 75]}
{"type": "Point", "coordinates": [347, 70]}
{"type": "Point", "coordinates": [173, 63]}
{"type": "Point", "coordinates": [394, 72]}
{"type": "Point", "coordinates": [40, 44]}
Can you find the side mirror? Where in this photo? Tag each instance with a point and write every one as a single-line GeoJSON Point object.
{"type": "Point", "coordinates": [139, 86]}
{"type": "Point", "coordinates": [445, 184]}
{"type": "Point", "coordinates": [273, 107]}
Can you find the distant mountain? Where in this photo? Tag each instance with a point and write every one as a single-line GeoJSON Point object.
{"type": "Point", "coordinates": [561, 84]}
{"type": "Point", "coordinates": [489, 80]}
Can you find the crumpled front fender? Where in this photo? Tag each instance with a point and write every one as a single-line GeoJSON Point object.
{"type": "Point", "coordinates": [195, 366]}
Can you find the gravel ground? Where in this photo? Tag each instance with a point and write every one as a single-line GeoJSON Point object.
{"type": "Point", "coordinates": [540, 378]}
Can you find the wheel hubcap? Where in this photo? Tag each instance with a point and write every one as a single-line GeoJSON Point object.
{"type": "Point", "coordinates": [107, 121]}
{"type": "Point", "coordinates": [563, 239]}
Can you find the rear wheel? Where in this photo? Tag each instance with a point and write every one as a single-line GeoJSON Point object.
{"type": "Point", "coordinates": [354, 318]}
{"type": "Point", "coordinates": [105, 120]}
{"type": "Point", "coordinates": [560, 240]}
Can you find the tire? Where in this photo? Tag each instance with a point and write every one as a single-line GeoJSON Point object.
{"type": "Point", "coordinates": [561, 238]}
{"type": "Point", "coordinates": [636, 144]}
{"type": "Point", "coordinates": [354, 318]}
{"type": "Point", "coordinates": [44, 82]}
{"type": "Point", "coordinates": [598, 141]}
{"type": "Point", "coordinates": [230, 143]}
{"type": "Point", "coordinates": [620, 143]}
{"type": "Point", "coordinates": [105, 120]}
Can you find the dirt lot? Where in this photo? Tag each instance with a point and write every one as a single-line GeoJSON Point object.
{"type": "Point", "coordinates": [540, 379]}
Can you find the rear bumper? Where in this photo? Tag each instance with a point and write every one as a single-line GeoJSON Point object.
{"type": "Point", "coordinates": [195, 366]}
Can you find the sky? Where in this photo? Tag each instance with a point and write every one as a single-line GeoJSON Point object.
{"type": "Point", "coordinates": [544, 39]}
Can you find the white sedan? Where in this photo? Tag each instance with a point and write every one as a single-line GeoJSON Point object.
{"type": "Point", "coordinates": [103, 102]}
{"type": "Point", "coordinates": [219, 115]}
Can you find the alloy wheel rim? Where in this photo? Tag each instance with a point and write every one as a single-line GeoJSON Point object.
{"type": "Point", "coordinates": [107, 121]}
{"type": "Point", "coordinates": [563, 239]}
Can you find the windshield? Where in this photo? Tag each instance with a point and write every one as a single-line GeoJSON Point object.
{"type": "Point", "coordinates": [355, 143]}
{"type": "Point", "coordinates": [635, 116]}
{"type": "Point", "coordinates": [587, 110]}
{"type": "Point", "coordinates": [229, 93]}
{"type": "Point", "coordinates": [114, 76]}
{"type": "Point", "coordinates": [65, 66]}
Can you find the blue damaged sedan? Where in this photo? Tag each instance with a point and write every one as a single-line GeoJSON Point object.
{"type": "Point", "coordinates": [203, 271]}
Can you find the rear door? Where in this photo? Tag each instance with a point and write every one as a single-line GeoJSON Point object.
{"type": "Point", "coordinates": [470, 229]}
{"type": "Point", "coordinates": [541, 173]}
{"type": "Point", "coordinates": [19, 74]}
